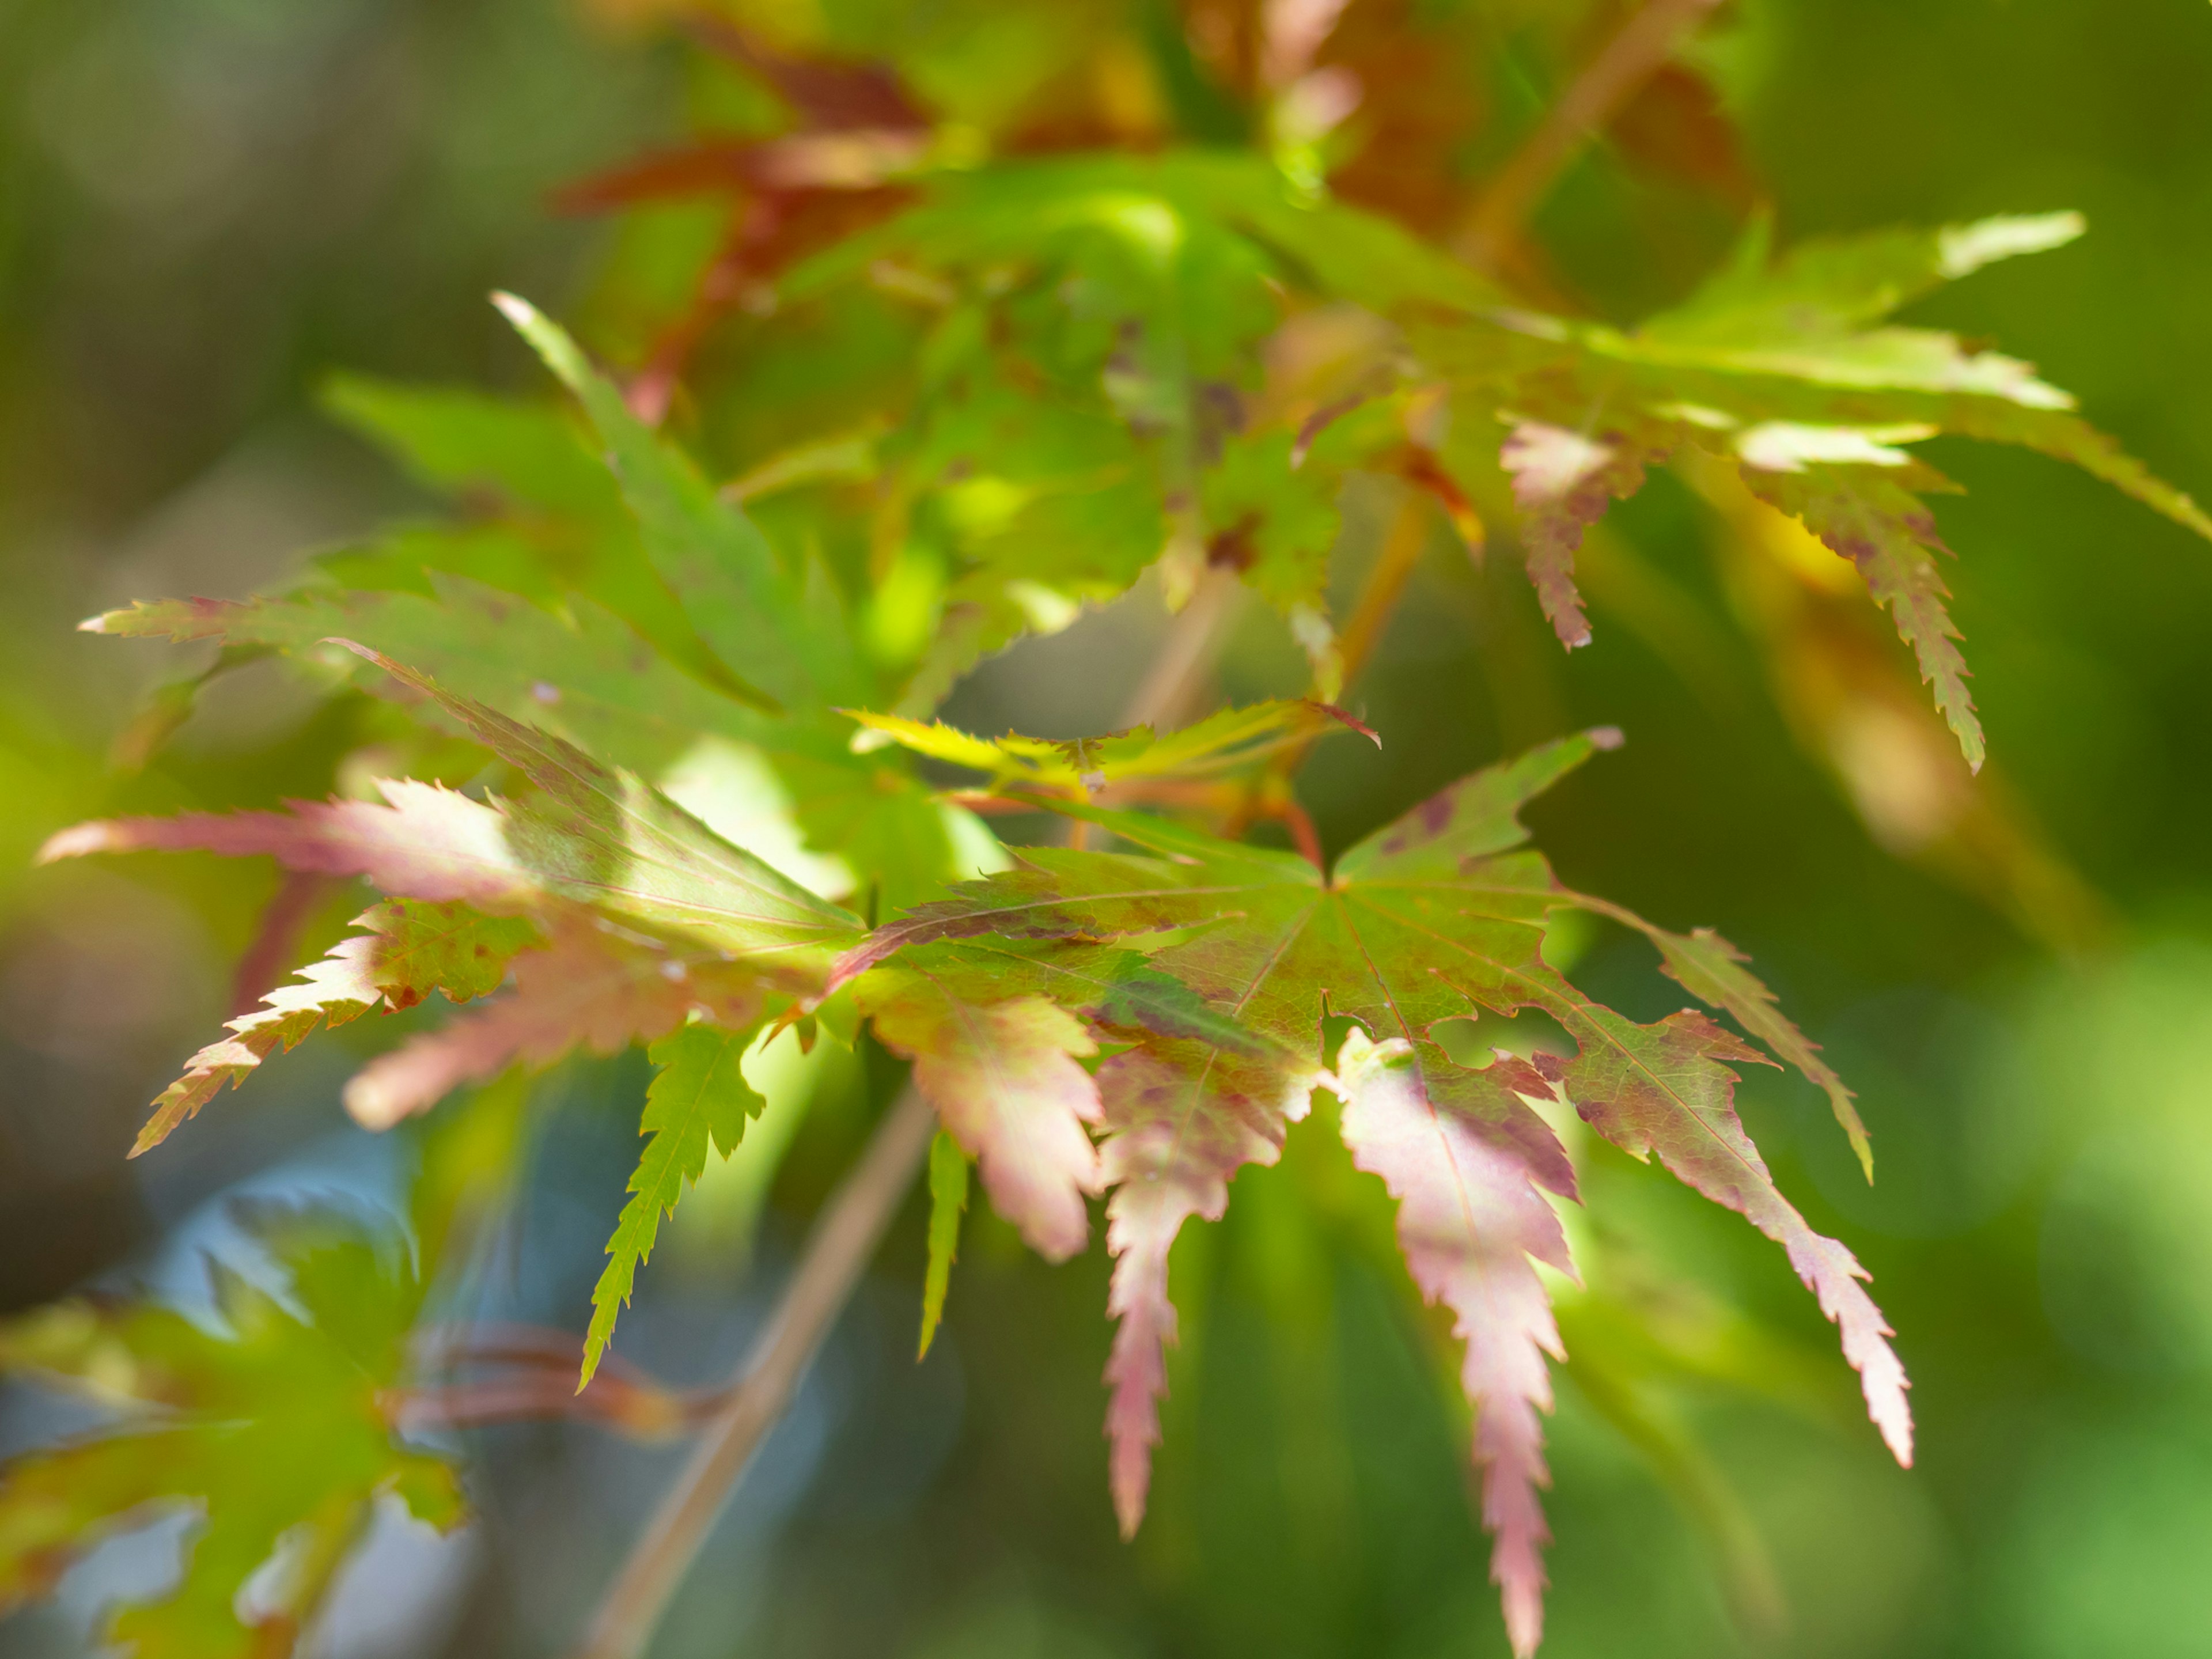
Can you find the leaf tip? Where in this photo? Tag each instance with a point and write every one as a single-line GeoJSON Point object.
{"type": "Point", "coordinates": [99, 835]}
{"type": "Point", "coordinates": [1606, 738]}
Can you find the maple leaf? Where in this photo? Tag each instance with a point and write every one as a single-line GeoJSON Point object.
{"type": "Point", "coordinates": [787, 639]}
{"type": "Point", "coordinates": [590, 987]}
{"type": "Point", "coordinates": [1714, 972]}
{"type": "Point", "coordinates": [424, 842]}
{"type": "Point", "coordinates": [1220, 742]}
{"type": "Point", "coordinates": [1563, 483]}
{"type": "Point", "coordinates": [1437, 916]}
{"type": "Point", "coordinates": [409, 950]}
{"type": "Point", "coordinates": [274, 1427]}
{"type": "Point", "coordinates": [589, 835]}
{"type": "Point", "coordinates": [585, 674]}
{"type": "Point", "coordinates": [1471, 1223]}
{"type": "Point", "coordinates": [698, 1096]}
{"type": "Point", "coordinates": [995, 1031]}
{"type": "Point", "coordinates": [1867, 514]}
{"type": "Point", "coordinates": [1180, 1117]}
{"type": "Point", "coordinates": [948, 1200]}
{"type": "Point", "coordinates": [589, 840]}
{"type": "Point", "coordinates": [1786, 370]}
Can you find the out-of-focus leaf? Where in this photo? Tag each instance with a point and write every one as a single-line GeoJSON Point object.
{"type": "Point", "coordinates": [455, 438]}
{"type": "Point", "coordinates": [1787, 370]}
{"type": "Point", "coordinates": [1218, 743]}
{"type": "Point", "coordinates": [744, 604]}
{"type": "Point", "coordinates": [271, 1432]}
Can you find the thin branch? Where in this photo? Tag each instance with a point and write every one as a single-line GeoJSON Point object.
{"type": "Point", "coordinates": [1378, 599]}
{"type": "Point", "coordinates": [844, 1238]}
{"type": "Point", "coordinates": [1186, 656]}
{"type": "Point", "coordinates": [1607, 82]}
{"type": "Point", "coordinates": [1386, 583]}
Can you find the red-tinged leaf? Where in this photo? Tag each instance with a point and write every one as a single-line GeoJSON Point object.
{"type": "Point", "coordinates": [1714, 972]}
{"type": "Point", "coordinates": [1274, 947]}
{"type": "Point", "coordinates": [1436, 917]}
{"type": "Point", "coordinates": [1472, 1222]}
{"type": "Point", "coordinates": [1021, 1115]}
{"type": "Point", "coordinates": [1667, 1089]}
{"type": "Point", "coordinates": [589, 988]}
{"type": "Point", "coordinates": [856, 159]}
{"type": "Point", "coordinates": [1563, 483]}
{"type": "Point", "coordinates": [589, 836]}
{"type": "Point", "coordinates": [1002, 1074]}
{"type": "Point", "coordinates": [1180, 1117]}
{"type": "Point", "coordinates": [822, 91]}
{"type": "Point", "coordinates": [424, 842]}
{"type": "Point", "coordinates": [409, 950]}
{"type": "Point", "coordinates": [1869, 517]}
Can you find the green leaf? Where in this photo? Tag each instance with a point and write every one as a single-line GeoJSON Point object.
{"type": "Point", "coordinates": [585, 675]}
{"type": "Point", "coordinates": [608, 838]}
{"type": "Point", "coordinates": [1867, 515]}
{"type": "Point", "coordinates": [1835, 285]}
{"type": "Point", "coordinates": [1221, 742]}
{"type": "Point", "coordinates": [699, 1096]}
{"type": "Point", "coordinates": [1786, 369]}
{"type": "Point", "coordinates": [1714, 972]}
{"type": "Point", "coordinates": [948, 1200]}
{"type": "Point", "coordinates": [272, 1433]}
{"type": "Point", "coordinates": [721, 568]}
{"type": "Point", "coordinates": [453, 438]}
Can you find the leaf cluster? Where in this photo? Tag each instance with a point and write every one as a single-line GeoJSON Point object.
{"type": "Point", "coordinates": [698, 703]}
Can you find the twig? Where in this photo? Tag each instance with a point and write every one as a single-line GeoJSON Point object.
{"type": "Point", "coordinates": [844, 1238]}
{"type": "Point", "coordinates": [1629, 59]}
{"type": "Point", "coordinates": [1378, 598]}
{"type": "Point", "coordinates": [1386, 583]}
{"type": "Point", "coordinates": [1185, 657]}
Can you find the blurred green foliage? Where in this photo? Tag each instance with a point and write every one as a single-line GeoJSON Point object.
{"type": "Point", "coordinates": [205, 210]}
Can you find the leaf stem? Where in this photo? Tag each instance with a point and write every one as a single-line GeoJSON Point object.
{"type": "Point", "coordinates": [844, 1238]}
{"type": "Point", "coordinates": [1385, 585]}
{"type": "Point", "coordinates": [1606, 83]}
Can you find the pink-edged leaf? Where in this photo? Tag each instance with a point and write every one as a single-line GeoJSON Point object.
{"type": "Point", "coordinates": [1181, 1116]}
{"type": "Point", "coordinates": [425, 842]}
{"type": "Point", "coordinates": [998, 1059]}
{"type": "Point", "coordinates": [1472, 1223]}
{"type": "Point", "coordinates": [1667, 1089]}
{"type": "Point", "coordinates": [588, 988]}
{"type": "Point", "coordinates": [1563, 483]}
{"type": "Point", "coordinates": [1718, 974]}
{"type": "Point", "coordinates": [408, 950]}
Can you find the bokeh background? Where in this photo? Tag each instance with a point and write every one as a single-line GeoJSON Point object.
{"type": "Point", "coordinates": [208, 205]}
